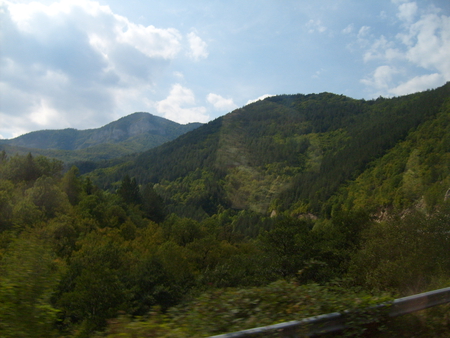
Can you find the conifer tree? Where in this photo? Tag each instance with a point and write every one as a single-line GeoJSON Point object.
{"type": "Point", "coordinates": [129, 191]}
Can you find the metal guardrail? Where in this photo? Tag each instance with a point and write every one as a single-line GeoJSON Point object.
{"type": "Point", "coordinates": [336, 321]}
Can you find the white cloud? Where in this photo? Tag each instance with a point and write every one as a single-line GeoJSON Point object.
{"type": "Point", "coordinates": [407, 11]}
{"type": "Point", "coordinates": [363, 36]}
{"type": "Point", "coordinates": [382, 49]}
{"type": "Point", "coordinates": [418, 83]}
{"type": "Point", "coordinates": [178, 75]}
{"type": "Point", "coordinates": [262, 97]}
{"type": "Point", "coordinates": [220, 102]}
{"type": "Point", "coordinates": [151, 41]}
{"type": "Point", "coordinates": [363, 32]}
{"type": "Point", "coordinates": [381, 78]}
{"type": "Point", "coordinates": [77, 63]}
{"type": "Point", "coordinates": [43, 113]}
{"type": "Point", "coordinates": [348, 29]}
{"type": "Point", "coordinates": [198, 47]}
{"type": "Point", "coordinates": [431, 46]}
{"type": "Point", "coordinates": [315, 26]}
{"type": "Point", "coordinates": [174, 106]}
{"type": "Point", "coordinates": [423, 45]}
{"type": "Point", "coordinates": [13, 126]}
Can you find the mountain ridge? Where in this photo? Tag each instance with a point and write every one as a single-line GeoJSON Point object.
{"type": "Point", "coordinates": [132, 133]}
{"type": "Point", "coordinates": [113, 132]}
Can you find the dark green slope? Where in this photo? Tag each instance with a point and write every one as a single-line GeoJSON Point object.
{"type": "Point", "coordinates": [416, 172]}
{"type": "Point", "coordinates": [133, 133]}
{"type": "Point", "coordinates": [288, 152]}
{"type": "Point", "coordinates": [386, 122]}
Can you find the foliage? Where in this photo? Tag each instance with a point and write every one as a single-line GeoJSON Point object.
{"type": "Point", "coordinates": [404, 253]}
{"type": "Point", "coordinates": [415, 171]}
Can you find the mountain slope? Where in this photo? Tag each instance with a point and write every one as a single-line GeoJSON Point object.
{"type": "Point", "coordinates": [415, 172]}
{"type": "Point", "coordinates": [288, 152]}
{"type": "Point", "coordinates": [133, 133]}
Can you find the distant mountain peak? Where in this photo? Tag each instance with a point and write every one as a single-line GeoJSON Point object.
{"type": "Point", "coordinates": [133, 133]}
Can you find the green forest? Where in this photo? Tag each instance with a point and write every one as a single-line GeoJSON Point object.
{"type": "Point", "coordinates": [290, 207]}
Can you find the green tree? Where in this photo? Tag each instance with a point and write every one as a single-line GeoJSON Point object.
{"type": "Point", "coordinates": [178, 273]}
{"type": "Point", "coordinates": [28, 168]}
{"type": "Point", "coordinates": [72, 185]}
{"type": "Point", "coordinates": [152, 204]}
{"type": "Point", "coordinates": [3, 158]}
{"type": "Point", "coordinates": [26, 214]}
{"type": "Point", "coordinates": [404, 253]}
{"type": "Point", "coordinates": [129, 191]}
{"type": "Point", "coordinates": [97, 296]}
{"type": "Point", "coordinates": [93, 290]}
{"type": "Point", "coordinates": [181, 231]}
{"type": "Point", "coordinates": [47, 196]}
{"type": "Point", "coordinates": [285, 245]}
{"type": "Point", "coordinates": [6, 204]}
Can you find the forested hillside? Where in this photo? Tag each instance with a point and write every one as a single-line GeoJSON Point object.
{"type": "Point", "coordinates": [290, 207]}
{"type": "Point", "coordinates": [285, 153]}
{"type": "Point", "coordinates": [415, 173]}
{"type": "Point", "coordinates": [74, 257]}
{"type": "Point", "coordinates": [133, 133]}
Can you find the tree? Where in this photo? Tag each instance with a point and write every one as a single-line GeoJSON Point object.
{"type": "Point", "coordinates": [71, 185]}
{"type": "Point", "coordinates": [405, 253]}
{"type": "Point", "coordinates": [97, 296]}
{"type": "Point", "coordinates": [129, 191]}
{"type": "Point", "coordinates": [286, 245]}
{"type": "Point", "coordinates": [26, 214]}
{"type": "Point", "coordinates": [3, 157]}
{"type": "Point", "coordinates": [152, 204]}
{"type": "Point", "coordinates": [47, 196]}
{"type": "Point", "coordinates": [92, 290]}
{"type": "Point", "coordinates": [6, 204]}
{"type": "Point", "coordinates": [88, 187]}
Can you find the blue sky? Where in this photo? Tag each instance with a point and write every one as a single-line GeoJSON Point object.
{"type": "Point", "coordinates": [82, 64]}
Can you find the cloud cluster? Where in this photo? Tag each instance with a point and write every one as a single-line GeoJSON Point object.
{"type": "Point", "coordinates": [262, 97]}
{"type": "Point", "coordinates": [221, 103]}
{"type": "Point", "coordinates": [198, 48]}
{"type": "Point", "coordinates": [422, 46]}
{"type": "Point", "coordinates": [180, 106]}
{"type": "Point", "coordinates": [76, 63]}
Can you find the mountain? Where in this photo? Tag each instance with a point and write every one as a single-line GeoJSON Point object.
{"type": "Point", "coordinates": [414, 173]}
{"type": "Point", "coordinates": [133, 133]}
{"type": "Point", "coordinates": [287, 153]}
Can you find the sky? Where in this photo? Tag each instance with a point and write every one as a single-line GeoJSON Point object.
{"type": "Point", "coordinates": [82, 64]}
